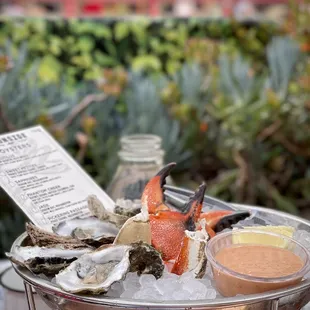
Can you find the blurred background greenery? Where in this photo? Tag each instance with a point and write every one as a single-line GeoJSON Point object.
{"type": "Point", "coordinates": [232, 99]}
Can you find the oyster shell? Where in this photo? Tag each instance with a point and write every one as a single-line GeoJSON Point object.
{"type": "Point", "coordinates": [89, 230]}
{"type": "Point", "coordinates": [48, 261]}
{"type": "Point", "coordinates": [98, 210]}
{"type": "Point", "coordinates": [127, 207]}
{"type": "Point", "coordinates": [95, 272]}
{"type": "Point", "coordinates": [43, 238]}
{"type": "Point", "coordinates": [135, 229]}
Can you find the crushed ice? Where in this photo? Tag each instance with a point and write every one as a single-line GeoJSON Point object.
{"type": "Point", "coordinates": [168, 287]}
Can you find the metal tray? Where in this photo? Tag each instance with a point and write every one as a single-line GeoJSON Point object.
{"type": "Point", "coordinates": [294, 297]}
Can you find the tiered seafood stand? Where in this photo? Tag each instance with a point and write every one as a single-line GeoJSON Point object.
{"type": "Point", "coordinates": [294, 297]}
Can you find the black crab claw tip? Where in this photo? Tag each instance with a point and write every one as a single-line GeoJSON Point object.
{"type": "Point", "coordinates": [198, 195]}
{"type": "Point", "coordinates": [164, 172]}
{"type": "Point", "coordinates": [231, 219]}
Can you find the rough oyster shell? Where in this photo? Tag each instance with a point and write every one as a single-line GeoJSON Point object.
{"type": "Point", "coordinates": [48, 261]}
{"type": "Point", "coordinates": [128, 208]}
{"type": "Point", "coordinates": [43, 238]}
{"type": "Point", "coordinates": [98, 210]}
{"type": "Point", "coordinates": [89, 230]}
{"type": "Point", "coordinates": [95, 272]}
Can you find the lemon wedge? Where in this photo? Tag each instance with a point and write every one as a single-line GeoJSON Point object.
{"type": "Point", "coordinates": [263, 239]}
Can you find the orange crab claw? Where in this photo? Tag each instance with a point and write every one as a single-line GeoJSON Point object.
{"type": "Point", "coordinates": [168, 227]}
{"type": "Point", "coordinates": [182, 262]}
{"type": "Point", "coordinates": [192, 256]}
{"type": "Point", "coordinates": [213, 217]}
{"type": "Point", "coordinates": [153, 196]}
{"type": "Point", "coordinates": [219, 220]}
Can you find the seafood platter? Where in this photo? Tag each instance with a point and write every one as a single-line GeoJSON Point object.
{"type": "Point", "coordinates": [173, 249]}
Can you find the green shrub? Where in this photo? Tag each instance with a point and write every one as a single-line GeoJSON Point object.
{"type": "Point", "coordinates": [81, 48]}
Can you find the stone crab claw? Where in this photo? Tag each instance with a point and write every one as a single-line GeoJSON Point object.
{"type": "Point", "coordinates": [168, 227]}
{"type": "Point", "coordinates": [153, 195]}
{"type": "Point", "coordinates": [192, 256]}
{"type": "Point", "coordinates": [216, 221]}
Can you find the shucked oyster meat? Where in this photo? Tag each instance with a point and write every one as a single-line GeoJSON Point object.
{"type": "Point", "coordinates": [95, 272]}
{"type": "Point", "coordinates": [89, 230]}
{"type": "Point", "coordinates": [46, 260]}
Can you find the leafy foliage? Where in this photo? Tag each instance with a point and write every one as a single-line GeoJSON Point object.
{"type": "Point", "coordinates": [140, 44]}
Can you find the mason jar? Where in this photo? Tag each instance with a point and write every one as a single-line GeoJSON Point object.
{"type": "Point", "coordinates": [141, 157]}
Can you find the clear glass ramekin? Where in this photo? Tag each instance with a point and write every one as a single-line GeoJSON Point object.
{"type": "Point", "coordinates": [230, 283]}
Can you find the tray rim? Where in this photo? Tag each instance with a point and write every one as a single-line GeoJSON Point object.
{"type": "Point", "coordinates": [46, 287]}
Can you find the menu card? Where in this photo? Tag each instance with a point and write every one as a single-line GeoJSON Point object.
{"type": "Point", "coordinates": [44, 181]}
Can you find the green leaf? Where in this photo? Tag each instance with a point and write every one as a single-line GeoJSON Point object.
{"type": "Point", "coordinates": [83, 27]}
{"type": "Point", "coordinates": [49, 69]}
{"type": "Point", "coordinates": [20, 33]}
{"type": "Point", "coordinates": [146, 62]}
{"type": "Point", "coordinates": [104, 59]}
{"type": "Point", "coordinates": [173, 66]}
{"type": "Point", "coordinates": [39, 26]}
{"type": "Point", "coordinates": [85, 61]}
{"type": "Point", "coordinates": [111, 48]}
{"type": "Point", "coordinates": [94, 73]}
{"type": "Point", "coordinates": [55, 45]}
{"type": "Point", "coordinates": [36, 43]}
{"type": "Point", "coordinates": [121, 30]}
{"type": "Point", "coordinates": [101, 31]}
{"type": "Point", "coordinates": [85, 44]}
{"type": "Point", "coordinates": [139, 31]}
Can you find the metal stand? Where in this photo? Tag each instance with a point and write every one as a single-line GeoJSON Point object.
{"type": "Point", "coordinates": [275, 304]}
{"type": "Point", "coordinates": [29, 295]}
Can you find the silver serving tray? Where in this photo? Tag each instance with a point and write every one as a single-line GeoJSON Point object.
{"type": "Point", "coordinates": [294, 297]}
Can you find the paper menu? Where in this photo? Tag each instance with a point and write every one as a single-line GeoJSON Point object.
{"type": "Point", "coordinates": [42, 178]}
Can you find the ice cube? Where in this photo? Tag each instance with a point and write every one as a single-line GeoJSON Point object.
{"type": "Point", "coordinates": [187, 276]}
{"type": "Point", "coordinates": [148, 293]}
{"type": "Point", "coordinates": [198, 295]}
{"type": "Point", "coordinates": [128, 293]}
{"type": "Point", "coordinates": [181, 295]}
{"type": "Point", "coordinates": [131, 281]}
{"type": "Point", "coordinates": [167, 286]}
{"type": "Point", "coordinates": [210, 294]}
{"type": "Point", "coordinates": [115, 290]}
{"type": "Point", "coordinates": [147, 280]}
{"type": "Point", "coordinates": [206, 281]}
{"type": "Point", "coordinates": [195, 287]}
{"type": "Point", "coordinates": [169, 275]}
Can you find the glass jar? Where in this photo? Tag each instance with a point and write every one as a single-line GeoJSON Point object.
{"type": "Point", "coordinates": [141, 157]}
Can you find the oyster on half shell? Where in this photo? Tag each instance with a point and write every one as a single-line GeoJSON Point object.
{"type": "Point", "coordinates": [43, 238]}
{"type": "Point", "coordinates": [95, 272]}
{"type": "Point", "coordinates": [89, 230]}
{"type": "Point", "coordinates": [46, 260]}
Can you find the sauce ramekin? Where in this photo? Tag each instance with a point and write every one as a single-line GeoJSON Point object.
{"type": "Point", "coordinates": [231, 283]}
